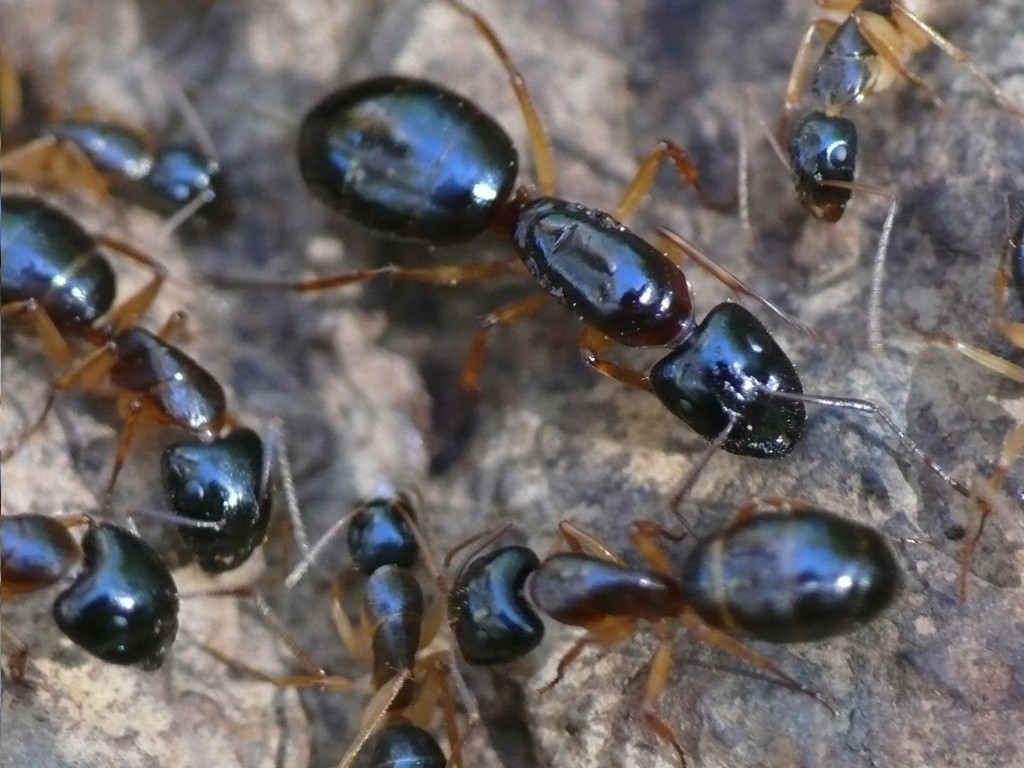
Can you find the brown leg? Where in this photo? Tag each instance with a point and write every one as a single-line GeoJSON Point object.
{"type": "Point", "coordinates": [887, 42]}
{"type": "Point", "coordinates": [1013, 446]}
{"type": "Point", "coordinates": [502, 316]}
{"type": "Point", "coordinates": [579, 540]}
{"type": "Point", "coordinates": [645, 535]}
{"type": "Point", "coordinates": [657, 678]}
{"type": "Point", "coordinates": [987, 359]}
{"type": "Point", "coordinates": [728, 644]}
{"type": "Point", "coordinates": [131, 309]}
{"type": "Point", "coordinates": [907, 20]}
{"type": "Point", "coordinates": [543, 159]}
{"type": "Point", "coordinates": [55, 346]}
{"type": "Point", "coordinates": [49, 162]}
{"type": "Point", "coordinates": [824, 28]}
{"type": "Point", "coordinates": [677, 244]}
{"type": "Point", "coordinates": [592, 344]}
{"type": "Point", "coordinates": [86, 373]}
{"type": "Point", "coordinates": [448, 275]}
{"type": "Point", "coordinates": [356, 640]}
{"type": "Point", "coordinates": [374, 714]}
{"type": "Point", "coordinates": [17, 657]}
{"type": "Point", "coordinates": [644, 177]}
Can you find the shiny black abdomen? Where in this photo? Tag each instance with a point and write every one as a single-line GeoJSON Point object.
{"type": "Point", "coordinates": [404, 745]}
{"type": "Point", "coordinates": [791, 577]}
{"type": "Point", "coordinates": [35, 552]}
{"type": "Point", "coordinates": [393, 605]}
{"type": "Point", "coordinates": [181, 390]}
{"type": "Point", "coordinates": [123, 606]}
{"type": "Point", "coordinates": [219, 481]}
{"type": "Point", "coordinates": [48, 257]}
{"type": "Point", "coordinates": [610, 277]}
{"type": "Point", "coordinates": [847, 67]}
{"type": "Point", "coordinates": [379, 535]}
{"type": "Point", "coordinates": [409, 158]}
{"type": "Point", "coordinates": [823, 148]}
{"type": "Point", "coordinates": [578, 589]}
{"type": "Point", "coordinates": [719, 373]}
{"type": "Point", "coordinates": [489, 615]}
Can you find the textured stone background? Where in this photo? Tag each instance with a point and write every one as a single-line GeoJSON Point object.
{"type": "Point", "coordinates": [935, 682]}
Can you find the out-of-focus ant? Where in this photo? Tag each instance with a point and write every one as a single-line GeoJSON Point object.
{"type": "Point", "coordinates": [865, 53]}
{"type": "Point", "coordinates": [122, 604]}
{"type": "Point", "coordinates": [398, 636]}
{"type": "Point", "coordinates": [988, 493]}
{"type": "Point", "coordinates": [414, 160]}
{"type": "Point", "coordinates": [105, 155]}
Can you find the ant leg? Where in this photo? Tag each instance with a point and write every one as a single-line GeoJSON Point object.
{"type": "Point", "coordinates": [486, 538]}
{"type": "Point", "coordinates": [12, 98]}
{"type": "Point", "coordinates": [579, 540]}
{"type": "Point", "coordinates": [678, 244]}
{"type": "Point", "coordinates": [645, 534]}
{"type": "Point", "coordinates": [718, 638]}
{"type": "Point", "coordinates": [447, 275]}
{"type": "Point", "coordinates": [356, 641]}
{"type": "Point", "coordinates": [593, 343]}
{"type": "Point", "coordinates": [838, 5]}
{"type": "Point", "coordinates": [604, 631]}
{"type": "Point", "coordinates": [909, 22]}
{"type": "Point", "coordinates": [540, 145]}
{"type": "Point", "coordinates": [50, 162]}
{"type": "Point", "coordinates": [88, 372]}
{"type": "Point", "coordinates": [172, 326]}
{"type": "Point", "coordinates": [982, 357]}
{"type": "Point", "coordinates": [866, 406]}
{"type": "Point", "coordinates": [644, 177]}
{"type": "Point", "coordinates": [375, 713]}
{"type": "Point", "coordinates": [127, 313]}
{"type": "Point", "coordinates": [55, 346]}
{"type": "Point", "coordinates": [801, 64]}
{"type": "Point", "coordinates": [503, 315]}
{"type": "Point", "coordinates": [275, 460]}
{"type": "Point", "coordinates": [657, 679]}
{"type": "Point", "coordinates": [17, 659]}
{"type": "Point", "coordinates": [1013, 446]}
{"type": "Point", "coordinates": [568, 658]}
{"type": "Point", "coordinates": [887, 42]}
{"type": "Point", "coordinates": [312, 552]}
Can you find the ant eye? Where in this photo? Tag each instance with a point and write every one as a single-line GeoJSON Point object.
{"type": "Point", "coordinates": [838, 154]}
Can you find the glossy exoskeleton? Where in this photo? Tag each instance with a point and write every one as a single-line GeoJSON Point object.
{"type": "Point", "coordinates": [164, 178]}
{"type": "Point", "coordinates": [54, 275]}
{"type": "Point", "coordinates": [122, 605]}
{"type": "Point", "coordinates": [224, 481]}
{"type": "Point", "coordinates": [395, 624]}
{"type": "Point", "coordinates": [404, 745]}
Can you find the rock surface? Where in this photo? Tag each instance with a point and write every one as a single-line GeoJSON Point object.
{"type": "Point", "coordinates": [935, 682]}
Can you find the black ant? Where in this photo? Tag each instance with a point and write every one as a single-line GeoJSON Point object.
{"type": "Point", "coordinates": [415, 160]}
{"type": "Point", "coordinates": [796, 575]}
{"type": "Point", "coordinates": [1010, 269]}
{"type": "Point", "coordinates": [122, 605]}
{"type": "Point", "coordinates": [395, 634]}
{"type": "Point", "coordinates": [865, 53]}
{"type": "Point", "coordinates": [106, 155]}
{"type": "Point", "coordinates": [54, 273]}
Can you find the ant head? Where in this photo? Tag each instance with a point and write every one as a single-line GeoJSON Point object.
{"type": "Point", "coordinates": [823, 149]}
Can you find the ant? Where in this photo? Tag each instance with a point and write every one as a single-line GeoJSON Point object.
{"type": "Point", "coordinates": [458, 168]}
{"type": "Point", "coordinates": [54, 273]}
{"type": "Point", "coordinates": [795, 575]}
{"type": "Point", "coordinates": [1010, 268]}
{"type": "Point", "coordinates": [122, 603]}
{"type": "Point", "coordinates": [864, 54]}
{"type": "Point", "coordinates": [394, 635]}
{"type": "Point", "coordinates": [106, 155]}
